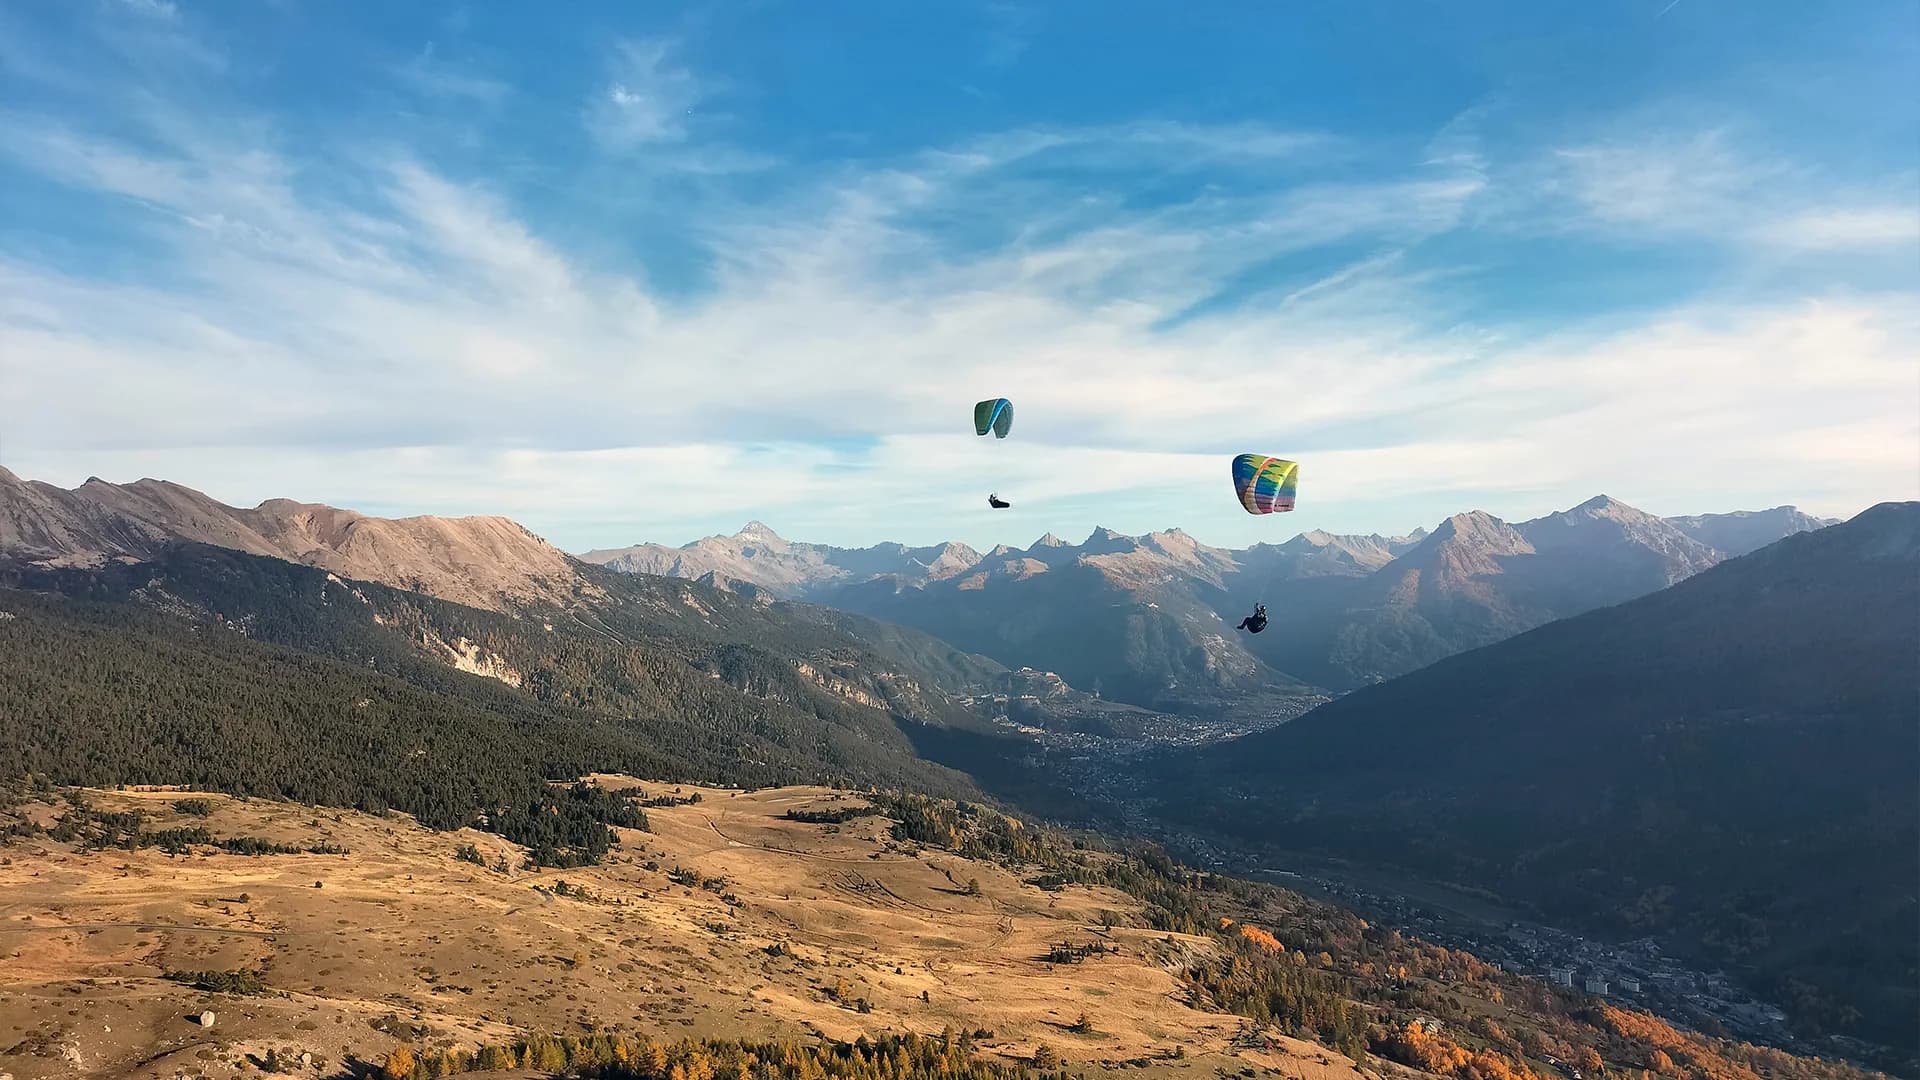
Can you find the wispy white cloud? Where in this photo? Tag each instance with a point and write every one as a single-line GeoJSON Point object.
{"type": "Point", "coordinates": [1673, 183]}
{"type": "Point", "coordinates": [428, 74]}
{"type": "Point", "coordinates": [158, 9]}
{"type": "Point", "coordinates": [1663, 186]}
{"type": "Point", "coordinates": [648, 98]}
{"type": "Point", "coordinates": [1893, 227]}
{"type": "Point", "coordinates": [423, 346]}
{"type": "Point", "coordinates": [1010, 31]}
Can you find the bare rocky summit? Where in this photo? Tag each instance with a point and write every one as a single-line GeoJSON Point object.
{"type": "Point", "coordinates": [486, 562]}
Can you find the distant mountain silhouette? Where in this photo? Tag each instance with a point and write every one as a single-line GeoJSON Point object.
{"type": "Point", "coordinates": [1732, 763]}
{"type": "Point", "coordinates": [789, 570]}
{"type": "Point", "coordinates": [1747, 530]}
{"type": "Point", "coordinates": [1148, 619]}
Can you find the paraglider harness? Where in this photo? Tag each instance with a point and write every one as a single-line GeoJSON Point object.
{"type": "Point", "coordinates": [1255, 622]}
{"type": "Point", "coordinates": [997, 503]}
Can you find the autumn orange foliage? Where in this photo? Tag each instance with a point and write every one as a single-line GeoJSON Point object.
{"type": "Point", "coordinates": [1488, 1065]}
{"type": "Point", "coordinates": [1641, 1026]}
{"type": "Point", "coordinates": [1416, 1046]}
{"type": "Point", "coordinates": [1696, 1056]}
{"type": "Point", "coordinates": [1261, 938]}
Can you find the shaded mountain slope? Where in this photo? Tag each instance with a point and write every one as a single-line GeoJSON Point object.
{"type": "Point", "coordinates": [1729, 763]}
{"type": "Point", "coordinates": [700, 709]}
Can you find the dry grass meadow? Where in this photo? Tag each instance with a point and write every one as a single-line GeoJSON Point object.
{"type": "Point", "coordinates": [398, 938]}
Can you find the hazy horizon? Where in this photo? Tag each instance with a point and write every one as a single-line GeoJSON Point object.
{"type": "Point", "coordinates": [1286, 527]}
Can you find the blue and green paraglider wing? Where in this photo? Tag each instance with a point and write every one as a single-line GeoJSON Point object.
{"type": "Point", "coordinates": [1266, 484]}
{"type": "Point", "coordinates": [995, 416]}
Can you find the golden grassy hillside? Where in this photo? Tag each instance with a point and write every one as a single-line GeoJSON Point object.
{"type": "Point", "coordinates": [726, 919]}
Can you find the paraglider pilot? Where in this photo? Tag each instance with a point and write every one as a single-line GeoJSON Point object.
{"type": "Point", "coordinates": [1255, 622]}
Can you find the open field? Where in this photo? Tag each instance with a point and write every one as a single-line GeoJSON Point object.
{"type": "Point", "coordinates": [780, 928]}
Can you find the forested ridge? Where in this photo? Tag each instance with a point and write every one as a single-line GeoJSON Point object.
{"type": "Point", "coordinates": [157, 677]}
{"type": "Point", "coordinates": [637, 644]}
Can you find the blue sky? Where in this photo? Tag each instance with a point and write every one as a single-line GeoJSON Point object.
{"type": "Point", "coordinates": [643, 272]}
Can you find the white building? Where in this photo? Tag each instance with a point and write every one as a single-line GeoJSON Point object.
{"type": "Point", "coordinates": [1562, 977]}
{"type": "Point", "coordinates": [1597, 985]}
{"type": "Point", "coordinates": [1630, 986]}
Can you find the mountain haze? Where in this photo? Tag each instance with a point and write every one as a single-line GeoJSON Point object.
{"type": "Point", "coordinates": [789, 570]}
{"type": "Point", "coordinates": [1728, 763]}
{"type": "Point", "coordinates": [1748, 530]}
{"type": "Point", "coordinates": [1148, 619]}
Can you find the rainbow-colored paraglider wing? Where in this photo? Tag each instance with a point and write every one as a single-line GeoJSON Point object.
{"type": "Point", "coordinates": [995, 416]}
{"type": "Point", "coordinates": [1266, 484]}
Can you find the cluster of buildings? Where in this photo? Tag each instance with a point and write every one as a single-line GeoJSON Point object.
{"type": "Point", "coordinates": [1635, 973]}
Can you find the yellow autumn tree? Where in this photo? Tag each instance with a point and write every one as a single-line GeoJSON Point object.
{"type": "Point", "coordinates": [399, 1064]}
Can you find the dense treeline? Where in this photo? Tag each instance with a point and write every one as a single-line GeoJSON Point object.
{"type": "Point", "coordinates": [87, 827]}
{"type": "Point", "coordinates": [611, 1056]}
{"type": "Point", "coordinates": [838, 815]}
{"type": "Point", "coordinates": [567, 828]}
{"type": "Point", "coordinates": [245, 983]}
{"type": "Point", "coordinates": [1256, 977]}
{"type": "Point", "coordinates": [101, 695]}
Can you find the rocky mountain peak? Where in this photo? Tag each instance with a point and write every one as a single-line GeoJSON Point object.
{"type": "Point", "coordinates": [1474, 525]}
{"type": "Point", "coordinates": [761, 535]}
{"type": "Point", "coordinates": [1604, 527]}
{"type": "Point", "coordinates": [486, 562]}
{"type": "Point", "coordinates": [1742, 531]}
{"type": "Point", "coordinates": [1105, 541]}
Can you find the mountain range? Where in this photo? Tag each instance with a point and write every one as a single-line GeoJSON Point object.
{"type": "Point", "coordinates": [1144, 621]}
{"type": "Point", "coordinates": [1728, 764]}
{"type": "Point", "coordinates": [1148, 619]}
